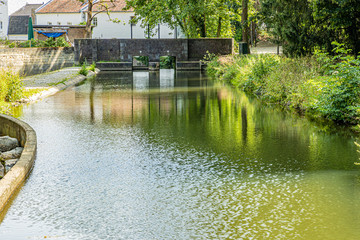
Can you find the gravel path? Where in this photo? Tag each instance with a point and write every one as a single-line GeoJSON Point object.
{"type": "Point", "coordinates": [265, 47]}
{"type": "Point", "coordinates": [51, 78]}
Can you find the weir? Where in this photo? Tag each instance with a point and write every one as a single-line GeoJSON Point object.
{"type": "Point", "coordinates": [117, 54]}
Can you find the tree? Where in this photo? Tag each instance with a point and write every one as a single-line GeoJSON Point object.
{"type": "Point", "coordinates": [303, 25]}
{"type": "Point", "coordinates": [244, 21]}
{"type": "Point", "coordinates": [97, 6]}
{"type": "Point", "coordinates": [342, 19]}
{"type": "Point", "coordinates": [195, 18]}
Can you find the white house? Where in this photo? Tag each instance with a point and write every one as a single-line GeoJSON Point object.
{"type": "Point", "coordinates": [4, 19]}
{"type": "Point", "coordinates": [73, 12]}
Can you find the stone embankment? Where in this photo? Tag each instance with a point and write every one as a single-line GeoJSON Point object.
{"type": "Point", "coordinates": [25, 137]}
{"type": "Point", "coordinates": [10, 152]}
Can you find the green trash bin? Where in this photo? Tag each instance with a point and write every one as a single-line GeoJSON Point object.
{"type": "Point", "coordinates": [244, 48]}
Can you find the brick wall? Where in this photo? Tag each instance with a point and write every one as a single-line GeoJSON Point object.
{"type": "Point", "coordinates": [30, 61]}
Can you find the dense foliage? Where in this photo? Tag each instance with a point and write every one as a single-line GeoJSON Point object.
{"type": "Point", "coordinates": [321, 86]}
{"type": "Point", "coordinates": [205, 18]}
{"type": "Point", "coordinates": [11, 89]}
{"type": "Point", "coordinates": [300, 26]}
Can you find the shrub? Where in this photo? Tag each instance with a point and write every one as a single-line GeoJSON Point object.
{"type": "Point", "coordinates": [84, 71]}
{"type": "Point", "coordinates": [340, 98]}
{"type": "Point", "coordinates": [92, 67]}
{"type": "Point", "coordinates": [50, 42]}
{"type": "Point", "coordinates": [321, 86]}
{"type": "Point", "coordinates": [11, 88]}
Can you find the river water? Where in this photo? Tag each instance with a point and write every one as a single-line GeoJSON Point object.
{"type": "Point", "coordinates": [174, 155]}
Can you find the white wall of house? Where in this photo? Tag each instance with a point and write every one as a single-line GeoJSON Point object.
{"type": "Point", "coordinates": [106, 28]}
{"type": "Point", "coordinates": [4, 19]}
{"type": "Point", "coordinates": [56, 18]}
{"type": "Point", "coordinates": [18, 37]}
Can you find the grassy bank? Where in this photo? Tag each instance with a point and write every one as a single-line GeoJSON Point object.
{"type": "Point", "coordinates": [321, 86]}
{"type": "Point", "coordinates": [11, 90]}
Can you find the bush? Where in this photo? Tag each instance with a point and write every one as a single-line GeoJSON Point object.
{"type": "Point", "coordinates": [11, 88]}
{"type": "Point", "coordinates": [321, 86]}
{"type": "Point", "coordinates": [340, 98]}
{"type": "Point", "coordinates": [84, 71]}
{"type": "Point", "coordinates": [50, 42]}
{"type": "Point", "coordinates": [92, 67]}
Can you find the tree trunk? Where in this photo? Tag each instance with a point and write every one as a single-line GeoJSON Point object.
{"type": "Point", "coordinates": [89, 19]}
{"type": "Point", "coordinates": [219, 27]}
{"type": "Point", "coordinates": [244, 21]}
{"type": "Point", "coordinates": [202, 26]}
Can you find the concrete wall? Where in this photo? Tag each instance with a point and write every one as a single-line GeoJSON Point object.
{"type": "Point", "coordinates": [15, 128]}
{"type": "Point", "coordinates": [125, 49]}
{"type": "Point", "coordinates": [30, 61]}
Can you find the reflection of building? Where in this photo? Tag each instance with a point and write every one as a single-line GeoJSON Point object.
{"type": "Point", "coordinates": [19, 21]}
{"type": "Point", "coordinates": [4, 19]}
{"type": "Point", "coordinates": [130, 97]}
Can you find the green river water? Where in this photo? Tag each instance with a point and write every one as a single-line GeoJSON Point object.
{"type": "Point", "coordinates": [174, 155]}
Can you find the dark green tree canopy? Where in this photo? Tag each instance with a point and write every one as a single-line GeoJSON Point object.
{"type": "Point", "coordinates": [302, 25]}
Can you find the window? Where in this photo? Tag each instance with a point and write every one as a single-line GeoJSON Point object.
{"type": "Point", "coordinates": [94, 22]}
{"type": "Point", "coordinates": [49, 23]}
{"type": "Point", "coordinates": [69, 23]}
{"type": "Point", "coordinates": [1, 25]}
{"type": "Point", "coordinates": [58, 23]}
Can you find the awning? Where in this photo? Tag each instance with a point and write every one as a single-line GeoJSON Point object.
{"type": "Point", "coordinates": [51, 34]}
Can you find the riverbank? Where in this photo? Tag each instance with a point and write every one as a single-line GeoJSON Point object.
{"type": "Point", "coordinates": [321, 87]}
{"type": "Point", "coordinates": [47, 84]}
{"type": "Point", "coordinates": [37, 87]}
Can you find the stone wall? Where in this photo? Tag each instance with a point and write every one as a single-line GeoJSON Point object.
{"type": "Point", "coordinates": [15, 128]}
{"type": "Point", "coordinates": [123, 50]}
{"type": "Point", "coordinates": [30, 61]}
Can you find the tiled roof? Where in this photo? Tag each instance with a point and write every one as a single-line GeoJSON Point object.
{"type": "Point", "coordinates": [26, 10]}
{"type": "Point", "coordinates": [61, 6]}
{"type": "Point", "coordinates": [75, 6]}
{"type": "Point", "coordinates": [115, 6]}
{"type": "Point", "coordinates": [18, 25]}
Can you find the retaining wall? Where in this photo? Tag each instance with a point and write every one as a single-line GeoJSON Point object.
{"type": "Point", "coordinates": [31, 61]}
{"type": "Point", "coordinates": [123, 50]}
{"type": "Point", "coordinates": [16, 128]}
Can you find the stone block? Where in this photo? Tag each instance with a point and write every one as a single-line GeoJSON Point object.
{"type": "Point", "coordinates": [15, 153]}
{"type": "Point", "coordinates": [2, 171]}
{"type": "Point", "coordinates": [7, 143]}
{"type": "Point", "coordinates": [10, 163]}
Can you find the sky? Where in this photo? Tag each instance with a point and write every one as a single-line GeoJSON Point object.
{"type": "Point", "coordinates": [16, 4]}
